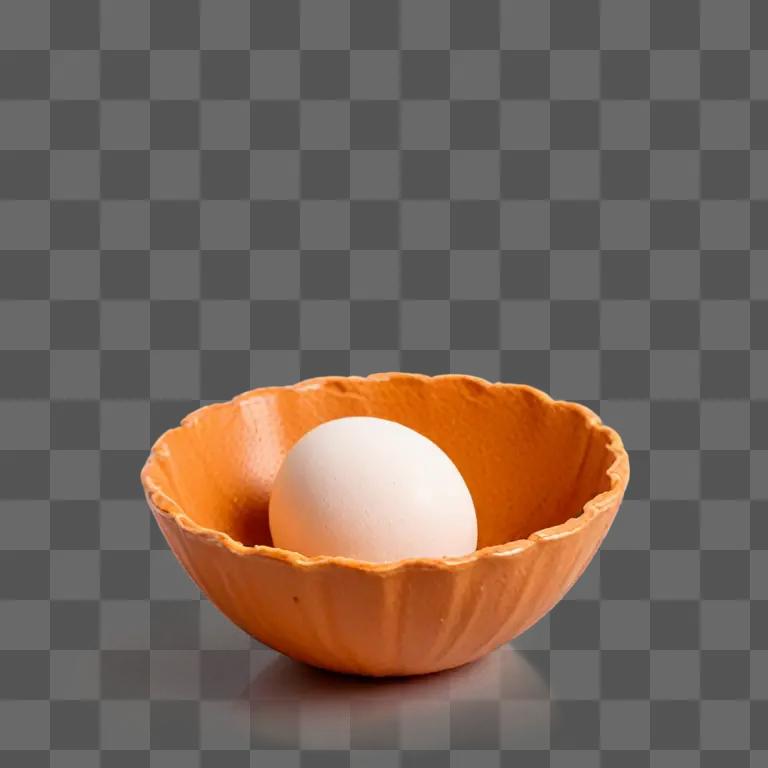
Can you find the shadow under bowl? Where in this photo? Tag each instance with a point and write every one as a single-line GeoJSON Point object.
{"type": "Point", "coordinates": [546, 476]}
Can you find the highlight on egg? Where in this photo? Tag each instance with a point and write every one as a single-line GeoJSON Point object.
{"type": "Point", "coordinates": [373, 490]}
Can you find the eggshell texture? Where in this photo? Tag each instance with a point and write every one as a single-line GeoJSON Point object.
{"type": "Point", "coordinates": [546, 477]}
{"type": "Point", "coordinates": [371, 489]}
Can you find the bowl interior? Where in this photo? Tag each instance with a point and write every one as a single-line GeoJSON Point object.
{"type": "Point", "coordinates": [530, 463]}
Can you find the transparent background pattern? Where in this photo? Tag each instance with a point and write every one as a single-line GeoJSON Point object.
{"type": "Point", "coordinates": [202, 196]}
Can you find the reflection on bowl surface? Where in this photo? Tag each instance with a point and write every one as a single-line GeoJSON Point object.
{"type": "Point", "coordinates": [546, 477]}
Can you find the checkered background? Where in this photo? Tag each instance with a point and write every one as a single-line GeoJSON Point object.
{"type": "Point", "coordinates": [201, 196]}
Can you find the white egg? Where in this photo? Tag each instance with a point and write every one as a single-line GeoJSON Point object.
{"type": "Point", "coordinates": [371, 489]}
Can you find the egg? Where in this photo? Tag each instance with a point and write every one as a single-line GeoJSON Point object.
{"type": "Point", "coordinates": [371, 489]}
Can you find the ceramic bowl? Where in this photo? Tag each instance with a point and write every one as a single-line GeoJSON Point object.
{"type": "Point", "coordinates": [546, 477]}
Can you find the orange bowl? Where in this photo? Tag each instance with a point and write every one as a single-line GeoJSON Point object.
{"type": "Point", "coordinates": [546, 477]}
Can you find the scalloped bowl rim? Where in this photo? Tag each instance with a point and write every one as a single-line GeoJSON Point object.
{"type": "Point", "coordinates": [618, 473]}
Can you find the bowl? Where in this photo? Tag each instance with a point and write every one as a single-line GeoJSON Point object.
{"type": "Point", "coordinates": [546, 476]}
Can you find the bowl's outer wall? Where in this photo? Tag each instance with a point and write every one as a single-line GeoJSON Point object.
{"type": "Point", "coordinates": [530, 463]}
{"type": "Point", "coordinates": [399, 622]}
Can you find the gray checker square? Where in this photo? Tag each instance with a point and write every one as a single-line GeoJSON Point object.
{"type": "Point", "coordinates": [198, 197]}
